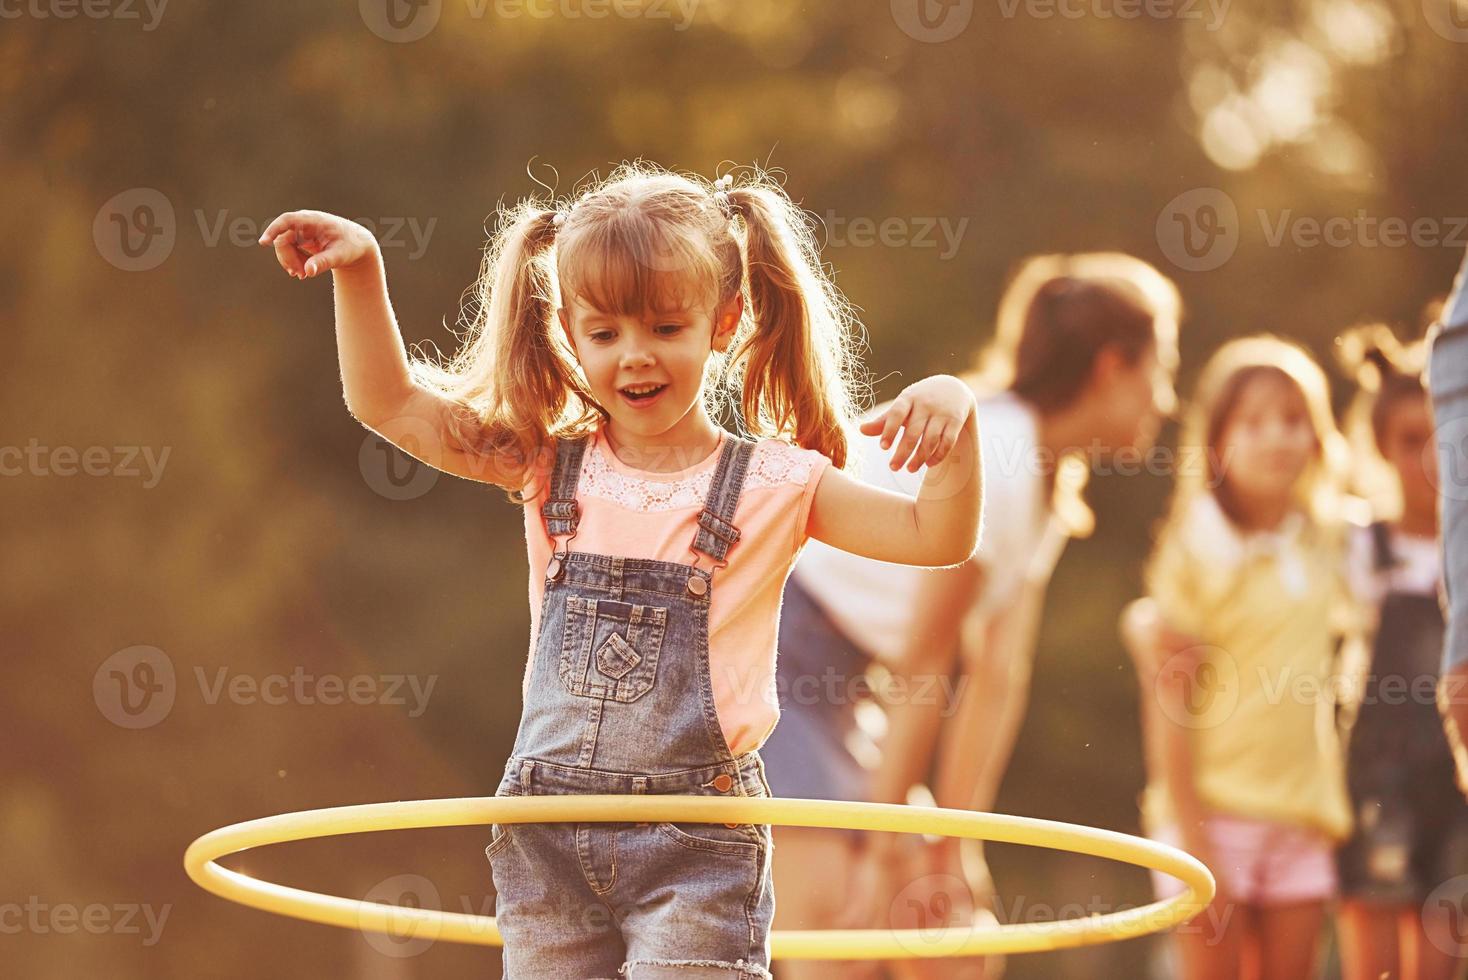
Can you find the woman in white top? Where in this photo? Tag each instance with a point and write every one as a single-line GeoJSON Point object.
{"type": "Point", "coordinates": [1081, 367]}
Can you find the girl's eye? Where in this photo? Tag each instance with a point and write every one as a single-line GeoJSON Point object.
{"type": "Point", "coordinates": [672, 328]}
{"type": "Point", "coordinates": [601, 335]}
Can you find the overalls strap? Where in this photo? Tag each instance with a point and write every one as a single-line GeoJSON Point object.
{"type": "Point", "coordinates": [560, 510]}
{"type": "Point", "coordinates": [716, 531]}
{"type": "Point", "coordinates": [1382, 556]}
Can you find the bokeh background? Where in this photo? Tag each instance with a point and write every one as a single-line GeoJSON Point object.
{"type": "Point", "coordinates": [194, 528]}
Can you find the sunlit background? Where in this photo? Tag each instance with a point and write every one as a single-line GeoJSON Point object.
{"type": "Point", "coordinates": [181, 473]}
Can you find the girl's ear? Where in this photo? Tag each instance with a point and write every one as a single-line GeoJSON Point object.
{"type": "Point", "coordinates": [727, 321]}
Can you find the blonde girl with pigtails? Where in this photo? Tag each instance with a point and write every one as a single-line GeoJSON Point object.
{"type": "Point", "coordinates": [608, 333]}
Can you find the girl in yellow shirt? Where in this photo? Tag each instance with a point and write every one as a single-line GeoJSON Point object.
{"type": "Point", "coordinates": [1235, 649]}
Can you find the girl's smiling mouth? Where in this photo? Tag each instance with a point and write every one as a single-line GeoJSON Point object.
{"type": "Point", "coordinates": [642, 395]}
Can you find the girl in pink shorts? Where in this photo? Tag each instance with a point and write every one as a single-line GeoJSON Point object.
{"type": "Point", "coordinates": [1235, 649]}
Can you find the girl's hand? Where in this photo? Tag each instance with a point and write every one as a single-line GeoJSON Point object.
{"type": "Point", "coordinates": [932, 412]}
{"type": "Point", "coordinates": [307, 243]}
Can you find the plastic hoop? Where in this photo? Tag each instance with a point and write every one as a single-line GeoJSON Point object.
{"type": "Point", "coordinates": [853, 944]}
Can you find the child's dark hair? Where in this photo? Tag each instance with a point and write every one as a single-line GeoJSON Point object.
{"type": "Point", "coordinates": [1385, 370]}
{"type": "Point", "coordinates": [1059, 311]}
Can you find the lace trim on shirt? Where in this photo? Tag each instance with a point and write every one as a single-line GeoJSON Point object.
{"type": "Point", "coordinates": [771, 464]}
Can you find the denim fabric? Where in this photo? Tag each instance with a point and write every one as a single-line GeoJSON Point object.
{"type": "Point", "coordinates": [1447, 371]}
{"type": "Point", "coordinates": [809, 755]}
{"type": "Point", "coordinates": [621, 701]}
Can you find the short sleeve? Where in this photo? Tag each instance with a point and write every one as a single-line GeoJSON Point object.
{"type": "Point", "coordinates": [1173, 583]}
{"type": "Point", "coordinates": [819, 464]}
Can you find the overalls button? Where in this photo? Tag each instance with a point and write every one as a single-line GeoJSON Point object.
{"type": "Point", "coordinates": [697, 585]}
{"type": "Point", "coordinates": [723, 781]}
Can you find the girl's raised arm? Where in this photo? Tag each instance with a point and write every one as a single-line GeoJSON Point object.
{"type": "Point", "coordinates": [939, 528]}
{"type": "Point", "coordinates": [376, 382]}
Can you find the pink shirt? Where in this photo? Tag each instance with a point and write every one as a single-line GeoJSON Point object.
{"type": "Point", "coordinates": [640, 514]}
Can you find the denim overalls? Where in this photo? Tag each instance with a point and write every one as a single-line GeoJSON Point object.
{"type": "Point", "coordinates": [621, 701]}
{"type": "Point", "coordinates": [1411, 832]}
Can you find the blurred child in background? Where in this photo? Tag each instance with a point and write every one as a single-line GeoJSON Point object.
{"type": "Point", "coordinates": [1411, 831]}
{"type": "Point", "coordinates": [1234, 646]}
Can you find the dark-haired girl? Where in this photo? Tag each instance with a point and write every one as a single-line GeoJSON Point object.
{"type": "Point", "coordinates": [1411, 832]}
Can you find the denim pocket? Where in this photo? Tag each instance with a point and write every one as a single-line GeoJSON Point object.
{"type": "Point", "coordinates": [499, 838]}
{"type": "Point", "coordinates": [742, 838]}
{"type": "Point", "coordinates": [741, 841]}
{"type": "Point", "coordinates": [610, 648]}
{"type": "Point", "coordinates": [499, 833]}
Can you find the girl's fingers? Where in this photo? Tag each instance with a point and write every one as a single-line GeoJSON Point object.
{"type": "Point", "coordinates": [288, 255]}
{"type": "Point", "coordinates": [304, 221]}
{"type": "Point", "coordinates": [896, 415]}
{"type": "Point", "coordinates": [330, 257]}
{"type": "Point", "coordinates": [910, 439]}
{"type": "Point", "coordinates": [929, 445]}
{"type": "Point", "coordinates": [940, 444]}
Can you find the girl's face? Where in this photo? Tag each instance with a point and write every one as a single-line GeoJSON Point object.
{"type": "Point", "coordinates": [665, 352]}
{"type": "Point", "coordinates": [1268, 440]}
{"type": "Point", "coordinates": [1137, 396]}
{"type": "Point", "coordinates": [1409, 445]}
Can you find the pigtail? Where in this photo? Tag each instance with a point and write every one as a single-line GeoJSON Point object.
{"type": "Point", "coordinates": [1367, 354]}
{"type": "Point", "coordinates": [799, 359]}
{"type": "Point", "coordinates": [512, 378]}
{"type": "Point", "coordinates": [1384, 369]}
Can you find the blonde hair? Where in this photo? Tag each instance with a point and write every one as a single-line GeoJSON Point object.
{"type": "Point", "coordinates": [1231, 368]}
{"type": "Point", "coordinates": [642, 239]}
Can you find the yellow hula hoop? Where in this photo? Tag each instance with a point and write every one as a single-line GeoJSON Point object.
{"type": "Point", "coordinates": [854, 944]}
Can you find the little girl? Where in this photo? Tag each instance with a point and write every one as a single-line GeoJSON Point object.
{"type": "Point", "coordinates": [605, 332]}
{"type": "Point", "coordinates": [1411, 831]}
{"type": "Point", "coordinates": [1235, 649]}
